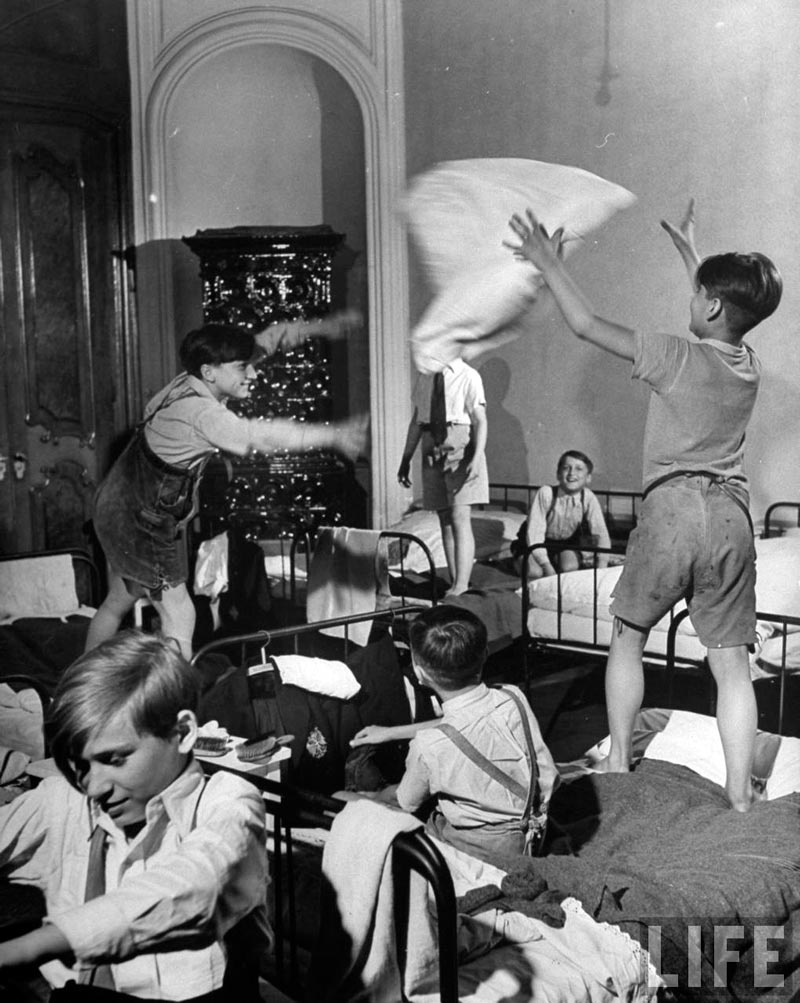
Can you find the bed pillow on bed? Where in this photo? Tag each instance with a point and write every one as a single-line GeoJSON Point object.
{"type": "Point", "coordinates": [38, 586]}
{"type": "Point", "coordinates": [778, 575]}
{"type": "Point", "coordinates": [458, 215]}
{"type": "Point", "coordinates": [494, 530]}
{"type": "Point", "coordinates": [692, 740]}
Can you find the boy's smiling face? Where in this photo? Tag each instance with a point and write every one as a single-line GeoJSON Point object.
{"type": "Point", "coordinates": [121, 769]}
{"type": "Point", "coordinates": [573, 475]}
{"type": "Point", "coordinates": [229, 379]}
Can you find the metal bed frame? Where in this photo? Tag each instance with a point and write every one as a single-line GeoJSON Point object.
{"type": "Point", "coordinates": [292, 807]}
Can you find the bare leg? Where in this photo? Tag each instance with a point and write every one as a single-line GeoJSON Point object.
{"type": "Point", "coordinates": [448, 540]}
{"type": "Point", "coordinates": [106, 621]}
{"type": "Point", "coordinates": [464, 540]}
{"type": "Point", "coordinates": [569, 560]}
{"type": "Point", "coordinates": [624, 694]}
{"type": "Point", "coordinates": [737, 719]}
{"type": "Point", "coordinates": [177, 613]}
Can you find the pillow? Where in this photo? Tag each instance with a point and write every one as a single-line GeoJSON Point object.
{"type": "Point", "coordinates": [458, 215]}
{"type": "Point", "coordinates": [38, 586]}
{"type": "Point", "coordinates": [692, 740]}
{"type": "Point", "coordinates": [494, 529]}
{"type": "Point", "coordinates": [778, 575]}
{"type": "Point", "coordinates": [318, 675]}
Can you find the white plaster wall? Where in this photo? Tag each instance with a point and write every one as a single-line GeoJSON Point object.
{"type": "Point", "coordinates": [243, 143]}
{"type": "Point", "coordinates": [703, 102]}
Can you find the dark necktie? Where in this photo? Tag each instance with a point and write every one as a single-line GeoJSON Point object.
{"type": "Point", "coordinates": [438, 413]}
{"type": "Point", "coordinates": [100, 975]}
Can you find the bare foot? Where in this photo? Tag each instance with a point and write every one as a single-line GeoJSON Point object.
{"type": "Point", "coordinates": [611, 765]}
{"type": "Point", "coordinates": [453, 592]}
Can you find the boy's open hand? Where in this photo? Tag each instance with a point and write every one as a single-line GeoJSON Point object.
{"type": "Point", "coordinates": [683, 234]}
{"type": "Point", "coordinates": [373, 734]}
{"type": "Point", "coordinates": [536, 246]}
{"type": "Point", "coordinates": [350, 436]}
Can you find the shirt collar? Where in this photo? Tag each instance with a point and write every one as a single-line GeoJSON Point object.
{"type": "Point", "coordinates": [466, 699]}
{"type": "Point", "coordinates": [178, 801]}
{"type": "Point", "coordinates": [725, 347]}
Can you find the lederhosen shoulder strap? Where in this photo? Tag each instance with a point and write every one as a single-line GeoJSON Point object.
{"type": "Point", "coordinates": [532, 820]}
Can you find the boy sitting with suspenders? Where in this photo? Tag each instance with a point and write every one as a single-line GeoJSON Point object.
{"type": "Point", "coordinates": [484, 760]}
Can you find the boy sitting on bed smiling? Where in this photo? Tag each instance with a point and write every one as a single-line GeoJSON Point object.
{"type": "Point", "coordinates": [694, 538]}
{"type": "Point", "coordinates": [485, 760]}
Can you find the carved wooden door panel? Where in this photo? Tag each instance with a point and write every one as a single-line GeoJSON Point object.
{"type": "Point", "coordinates": [62, 323]}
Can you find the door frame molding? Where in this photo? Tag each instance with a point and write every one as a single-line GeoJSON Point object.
{"type": "Point", "coordinates": [363, 43]}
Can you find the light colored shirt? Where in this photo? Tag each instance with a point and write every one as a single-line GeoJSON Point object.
{"type": "Point", "coordinates": [197, 867]}
{"type": "Point", "coordinates": [193, 424]}
{"type": "Point", "coordinates": [565, 517]}
{"type": "Point", "coordinates": [703, 393]}
{"type": "Point", "coordinates": [490, 721]}
{"type": "Point", "coordinates": [463, 392]}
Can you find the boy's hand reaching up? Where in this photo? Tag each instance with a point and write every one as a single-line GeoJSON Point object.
{"type": "Point", "coordinates": [683, 239]}
{"type": "Point", "coordinates": [536, 246]}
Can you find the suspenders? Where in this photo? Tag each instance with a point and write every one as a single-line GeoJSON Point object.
{"type": "Point", "coordinates": [534, 819]}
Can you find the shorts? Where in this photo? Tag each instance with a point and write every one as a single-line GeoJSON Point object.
{"type": "Point", "coordinates": [444, 472]}
{"type": "Point", "coordinates": [693, 542]}
{"type": "Point", "coordinates": [140, 512]}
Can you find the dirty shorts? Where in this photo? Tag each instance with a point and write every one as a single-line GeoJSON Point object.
{"type": "Point", "coordinates": [692, 542]}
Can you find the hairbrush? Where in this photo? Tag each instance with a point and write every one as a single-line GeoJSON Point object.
{"type": "Point", "coordinates": [257, 749]}
{"type": "Point", "coordinates": [211, 745]}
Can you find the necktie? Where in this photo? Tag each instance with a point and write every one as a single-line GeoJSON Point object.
{"type": "Point", "coordinates": [100, 975]}
{"type": "Point", "coordinates": [438, 414]}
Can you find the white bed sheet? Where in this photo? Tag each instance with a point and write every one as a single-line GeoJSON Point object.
{"type": "Point", "coordinates": [584, 592]}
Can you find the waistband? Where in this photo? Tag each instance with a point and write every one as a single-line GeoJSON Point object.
{"type": "Point", "coordinates": [722, 482]}
{"type": "Point", "coordinates": [155, 460]}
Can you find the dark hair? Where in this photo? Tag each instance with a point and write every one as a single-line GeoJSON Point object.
{"type": "Point", "coordinates": [450, 644]}
{"type": "Point", "coordinates": [141, 672]}
{"type": "Point", "coordinates": [574, 454]}
{"type": "Point", "coordinates": [749, 286]}
{"type": "Point", "coordinates": [214, 344]}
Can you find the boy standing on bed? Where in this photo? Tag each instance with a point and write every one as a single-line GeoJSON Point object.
{"type": "Point", "coordinates": [694, 539]}
{"type": "Point", "coordinates": [450, 419]}
{"type": "Point", "coordinates": [484, 760]}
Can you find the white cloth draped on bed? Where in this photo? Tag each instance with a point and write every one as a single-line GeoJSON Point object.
{"type": "Point", "coordinates": [348, 574]}
{"type": "Point", "coordinates": [581, 962]}
{"type": "Point", "coordinates": [458, 215]}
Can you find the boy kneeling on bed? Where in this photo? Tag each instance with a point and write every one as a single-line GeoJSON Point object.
{"type": "Point", "coordinates": [146, 865]}
{"type": "Point", "coordinates": [485, 760]}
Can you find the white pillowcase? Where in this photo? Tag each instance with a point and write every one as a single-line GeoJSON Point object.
{"type": "Point", "coordinates": [692, 740]}
{"type": "Point", "coordinates": [458, 215]}
{"type": "Point", "coordinates": [318, 675]}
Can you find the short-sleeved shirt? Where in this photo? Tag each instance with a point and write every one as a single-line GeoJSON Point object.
{"type": "Point", "coordinates": [489, 719]}
{"type": "Point", "coordinates": [188, 423]}
{"type": "Point", "coordinates": [463, 392]}
{"type": "Point", "coordinates": [703, 394]}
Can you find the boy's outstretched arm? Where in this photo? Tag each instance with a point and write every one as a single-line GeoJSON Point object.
{"type": "Point", "coordinates": [543, 251]}
{"type": "Point", "coordinates": [683, 239]}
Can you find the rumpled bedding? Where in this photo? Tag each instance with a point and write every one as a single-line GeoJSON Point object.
{"type": "Point", "coordinates": [659, 848]}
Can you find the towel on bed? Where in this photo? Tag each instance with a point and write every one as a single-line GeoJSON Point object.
{"type": "Point", "coordinates": [356, 954]}
{"type": "Point", "coordinates": [458, 215]}
{"type": "Point", "coordinates": [346, 576]}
